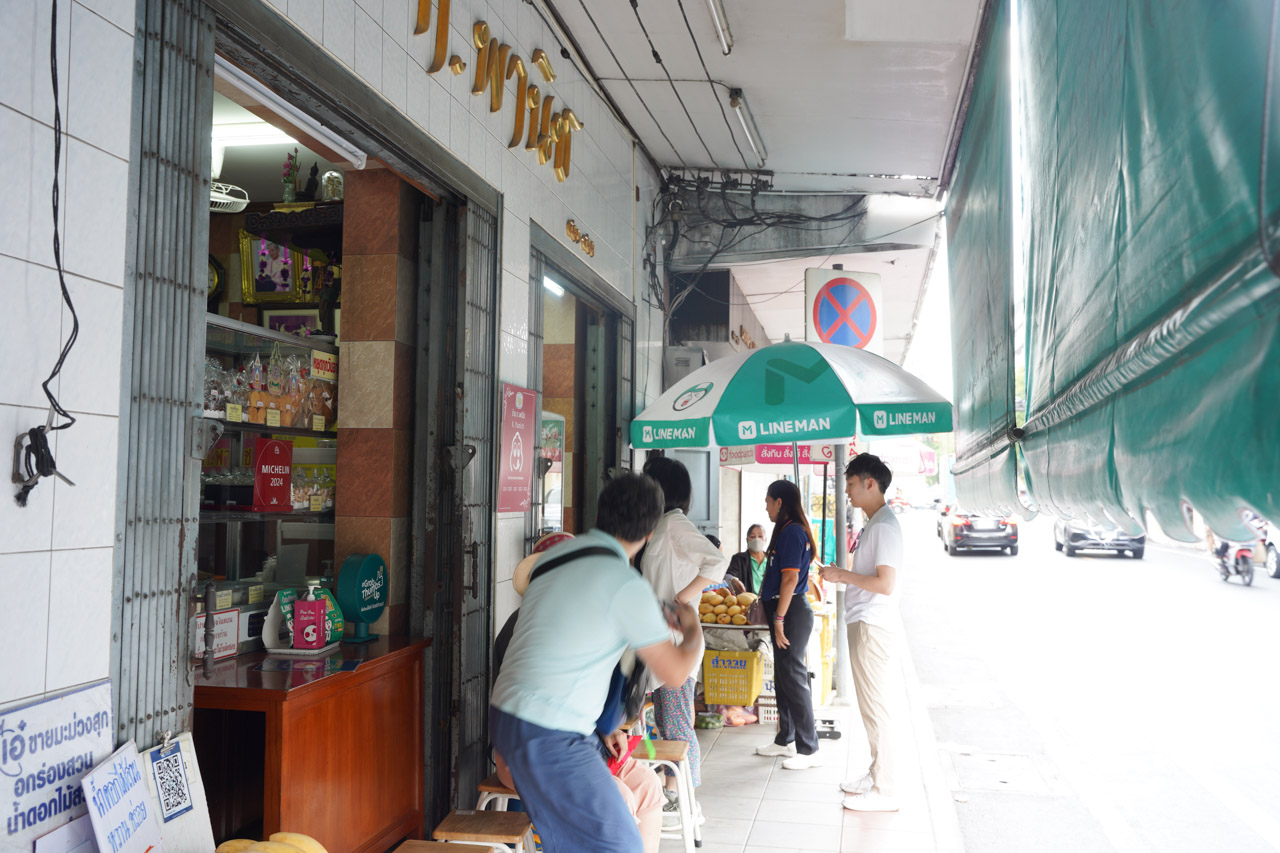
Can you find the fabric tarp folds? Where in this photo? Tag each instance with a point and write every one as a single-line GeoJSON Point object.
{"type": "Point", "coordinates": [1152, 345]}
{"type": "Point", "coordinates": [1152, 340]}
{"type": "Point", "coordinates": [980, 247]}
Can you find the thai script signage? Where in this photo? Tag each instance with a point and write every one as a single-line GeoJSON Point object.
{"type": "Point", "coordinates": [121, 808]}
{"type": "Point", "coordinates": [550, 132]}
{"type": "Point", "coordinates": [46, 749]}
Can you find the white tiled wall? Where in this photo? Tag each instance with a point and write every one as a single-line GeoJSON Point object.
{"type": "Point", "coordinates": [598, 196]}
{"type": "Point", "coordinates": [56, 554]}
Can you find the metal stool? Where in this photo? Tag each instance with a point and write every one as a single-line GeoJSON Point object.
{"type": "Point", "coordinates": [674, 754]}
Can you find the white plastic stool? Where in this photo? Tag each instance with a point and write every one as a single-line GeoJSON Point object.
{"type": "Point", "coordinates": [674, 754]}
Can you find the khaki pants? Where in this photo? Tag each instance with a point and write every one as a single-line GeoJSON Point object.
{"type": "Point", "coordinates": [869, 650]}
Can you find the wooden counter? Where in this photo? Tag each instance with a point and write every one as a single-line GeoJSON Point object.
{"type": "Point", "coordinates": [337, 756]}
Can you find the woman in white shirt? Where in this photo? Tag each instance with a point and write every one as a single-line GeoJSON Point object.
{"type": "Point", "coordinates": [679, 562]}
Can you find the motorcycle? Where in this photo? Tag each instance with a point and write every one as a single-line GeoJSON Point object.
{"type": "Point", "coordinates": [1234, 559]}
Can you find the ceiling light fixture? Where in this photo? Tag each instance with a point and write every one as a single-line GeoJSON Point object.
{"type": "Point", "coordinates": [739, 103]}
{"type": "Point", "coordinates": [250, 133]}
{"type": "Point", "coordinates": [722, 25]}
{"type": "Point", "coordinates": [244, 83]}
{"type": "Point", "coordinates": [555, 289]}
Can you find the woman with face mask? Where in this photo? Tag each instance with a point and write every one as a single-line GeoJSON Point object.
{"type": "Point", "coordinates": [748, 566]}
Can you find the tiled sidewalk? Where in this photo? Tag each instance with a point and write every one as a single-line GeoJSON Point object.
{"type": "Point", "coordinates": [753, 805]}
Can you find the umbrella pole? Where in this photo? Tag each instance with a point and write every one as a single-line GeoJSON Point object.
{"type": "Point", "coordinates": [795, 461]}
{"type": "Point", "coordinates": [822, 558]}
{"type": "Point", "coordinates": [844, 672]}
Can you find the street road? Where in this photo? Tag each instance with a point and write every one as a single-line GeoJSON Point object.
{"type": "Point", "coordinates": [1098, 703]}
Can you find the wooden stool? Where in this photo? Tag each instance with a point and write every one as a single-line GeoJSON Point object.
{"type": "Point", "coordinates": [493, 791]}
{"type": "Point", "coordinates": [674, 754]}
{"type": "Point", "coordinates": [497, 829]}
{"type": "Point", "coordinates": [440, 847]}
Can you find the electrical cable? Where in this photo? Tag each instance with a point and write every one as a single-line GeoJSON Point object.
{"type": "Point", "coordinates": [711, 84]}
{"type": "Point", "coordinates": [831, 255]}
{"type": "Point", "coordinates": [635, 7]}
{"type": "Point", "coordinates": [618, 62]}
{"type": "Point", "coordinates": [37, 456]}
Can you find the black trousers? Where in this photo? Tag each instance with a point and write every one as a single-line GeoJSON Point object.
{"type": "Point", "coordinates": [791, 677]}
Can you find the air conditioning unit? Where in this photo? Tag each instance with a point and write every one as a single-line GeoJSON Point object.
{"type": "Point", "coordinates": [679, 362]}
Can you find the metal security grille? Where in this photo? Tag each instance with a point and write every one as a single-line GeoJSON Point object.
{"type": "Point", "coordinates": [160, 427]}
{"type": "Point", "coordinates": [478, 425]}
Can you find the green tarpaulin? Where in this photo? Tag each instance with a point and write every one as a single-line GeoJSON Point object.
{"type": "Point", "coordinates": [980, 251]}
{"type": "Point", "coordinates": [1152, 343]}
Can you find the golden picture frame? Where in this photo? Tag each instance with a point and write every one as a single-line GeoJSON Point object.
{"type": "Point", "coordinates": [269, 272]}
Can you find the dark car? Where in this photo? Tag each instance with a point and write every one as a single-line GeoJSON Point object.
{"type": "Point", "coordinates": [966, 531]}
{"type": "Point", "coordinates": [1071, 537]}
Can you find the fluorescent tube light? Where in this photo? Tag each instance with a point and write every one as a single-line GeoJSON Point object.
{"type": "Point", "coordinates": [234, 77]}
{"type": "Point", "coordinates": [555, 289]}
{"type": "Point", "coordinates": [722, 25]}
{"type": "Point", "coordinates": [739, 103]}
{"type": "Point", "coordinates": [250, 133]}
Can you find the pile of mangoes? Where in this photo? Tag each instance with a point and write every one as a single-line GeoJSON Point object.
{"type": "Point", "coordinates": [280, 842]}
{"type": "Point", "coordinates": [721, 607]}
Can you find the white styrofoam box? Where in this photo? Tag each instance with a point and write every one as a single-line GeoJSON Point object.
{"type": "Point", "coordinates": [394, 64]}
{"type": "Point", "coordinates": [96, 200]}
{"type": "Point", "coordinates": [24, 611]}
{"type": "Point", "coordinates": [29, 349]}
{"type": "Point", "coordinates": [308, 16]}
{"type": "Point", "coordinates": [369, 48]}
{"type": "Point", "coordinates": [79, 617]}
{"type": "Point", "coordinates": [100, 79]}
{"type": "Point", "coordinates": [90, 378]}
{"type": "Point", "coordinates": [28, 528]}
{"type": "Point", "coordinates": [26, 217]}
{"type": "Point", "coordinates": [85, 514]}
{"type": "Point", "coordinates": [25, 83]}
{"type": "Point", "coordinates": [768, 689]}
{"type": "Point", "coordinates": [340, 30]}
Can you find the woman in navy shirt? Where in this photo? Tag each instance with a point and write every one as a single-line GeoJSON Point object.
{"type": "Point", "coordinates": [786, 580]}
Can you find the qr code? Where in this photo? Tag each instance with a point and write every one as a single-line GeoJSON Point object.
{"type": "Point", "coordinates": [171, 785]}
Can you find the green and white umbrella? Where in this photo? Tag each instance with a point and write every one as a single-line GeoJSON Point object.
{"type": "Point", "coordinates": [791, 392]}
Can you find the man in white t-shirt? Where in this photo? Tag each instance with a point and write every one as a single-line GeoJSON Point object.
{"type": "Point", "coordinates": [870, 614]}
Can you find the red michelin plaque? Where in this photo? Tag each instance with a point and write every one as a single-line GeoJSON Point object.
{"type": "Point", "coordinates": [273, 476]}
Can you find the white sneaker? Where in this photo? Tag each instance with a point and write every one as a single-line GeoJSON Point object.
{"type": "Point", "coordinates": [870, 802]}
{"type": "Point", "coordinates": [861, 786]}
{"type": "Point", "coordinates": [774, 751]}
{"type": "Point", "coordinates": [802, 762]}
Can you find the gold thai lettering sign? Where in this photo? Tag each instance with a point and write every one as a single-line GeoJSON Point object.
{"type": "Point", "coordinates": [575, 234]}
{"type": "Point", "coordinates": [550, 132]}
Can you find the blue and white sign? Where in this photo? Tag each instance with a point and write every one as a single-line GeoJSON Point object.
{"type": "Point", "coordinates": [125, 816]}
{"type": "Point", "coordinates": [46, 748]}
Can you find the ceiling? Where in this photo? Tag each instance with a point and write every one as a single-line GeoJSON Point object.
{"type": "Point", "coordinates": [257, 169]}
{"type": "Point", "coordinates": [848, 95]}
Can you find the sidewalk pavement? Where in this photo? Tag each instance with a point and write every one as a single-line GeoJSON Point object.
{"type": "Point", "coordinates": [753, 805]}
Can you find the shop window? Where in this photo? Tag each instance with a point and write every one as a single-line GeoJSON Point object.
{"type": "Point", "coordinates": [271, 365]}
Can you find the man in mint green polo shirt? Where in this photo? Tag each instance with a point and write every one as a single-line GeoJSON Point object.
{"type": "Point", "coordinates": [575, 622]}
